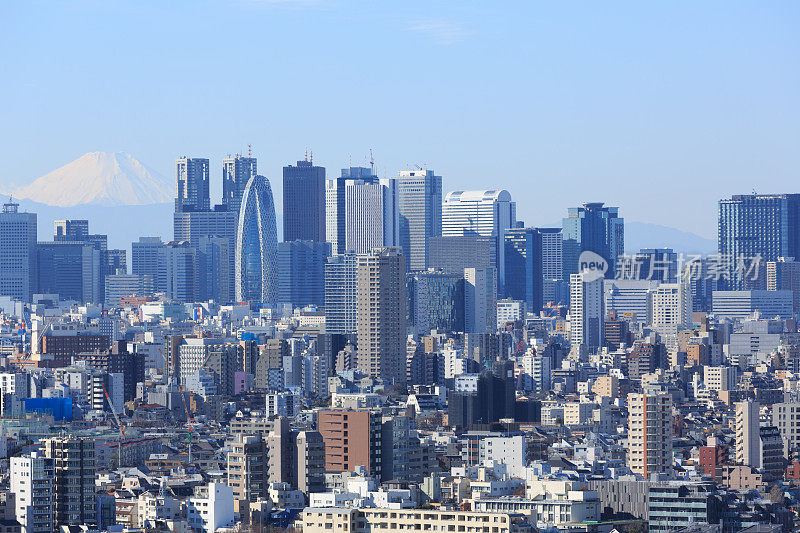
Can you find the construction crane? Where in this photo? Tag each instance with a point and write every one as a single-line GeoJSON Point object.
{"type": "Point", "coordinates": [188, 422]}
{"type": "Point", "coordinates": [119, 426]}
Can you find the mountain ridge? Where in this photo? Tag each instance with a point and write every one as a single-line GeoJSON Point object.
{"type": "Point", "coordinates": [99, 178]}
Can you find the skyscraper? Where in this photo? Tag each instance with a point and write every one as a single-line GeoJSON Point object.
{"type": "Point", "coordinates": [419, 204]}
{"type": "Point", "coordinates": [371, 219]}
{"type": "Point", "coordinates": [144, 259]}
{"type": "Point", "coordinates": [649, 433]}
{"type": "Point", "coordinates": [586, 311]}
{"type": "Point", "coordinates": [18, 256]}
{"type": "Point", "coordinates": [381, 314]}
{"type": "Point", "coordinates": [595, 228]}
{"type": "Point", "coordinates": [70, 269]}
{"type": "Point", "coordinates": [236, 172]}
{"type": "Point", "coordinates": [524, 266]}
{"type": "Point", "coordinates": [340, 293]}
{"type": "Point", "coordinates": [554, 288]}
{"type": "Point", "coordinates": [436, 301]}
{"type": "Point", "coordinates": [750, 225]}
{"type": "Point", "coordinates": [335, 214]}
{"type": "Point", "coordinates": [192, 176]}
{"type": "Point", "coordinates": [257, 245]}
{"type": "Point", "coordinates": [303, 202]}
{"type": "Point", "coordinates": [489, 213]}
{"type": "Point", "coordinates": [301, 269]}
{"type": "Point", "coordinates": [480, 297]}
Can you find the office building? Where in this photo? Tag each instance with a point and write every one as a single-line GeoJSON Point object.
{"type": "Point", "coordinates": [742, 304]}
{"type": "Point", "coordinates": [510, 310]}
{"type": "Point", "coordinates": [670, 311]}
{"type": "Point", "coordinates": [257, 245]}
{"type": "Point", "coordinates": [182, 271]}
{"type": "Point", "coordinates": [119, 286]}
{"type": "Point", "coordinates": [301, 272]}
{"type": "Point", "coordinates": [236, 172]}
{"type": "Point", "coordinates": [321, 520]}
{"type": "Point", "coordinates": [371, 217]}
{"type": "Point", "coordinates": [381, 314]}
{"type": "Point", "coordinates": [455, 253]}
{"type": "Point", "coordinates": [335, 209]}
{"type": "Point", "coordinates": [32, 485]}
{"type": "Point", "coordinates": [145, 256]}
{"type": "Point", "coordinates": [652, 264]}
{"type": "Point", "coordinates": [490, 399]}
{"type": "Point", "coordinates": [70, 269]}
{"type": "Point", "coordinates": [488, 213]}
{"type": "Point", "coordinates": [524, 260]}
{"type": "Point", "coordinates": [480, 297]}
{"type": "Point", "coordinates": [678, 506]}
{"type": "Point", "coordinates": [649, 433]}
{"type": "Point", "coordinates": [419, 205]}
{"type": "Point", "coordinates": [784, 275]}
{"type": "Point", "coordinates": [595, 228]}
{"type": "Point", "coordinates": [554, 288]}
{"type": "Point", "coordinates": [435, 301]}
{"type": "Point", "coordinates": [18, 253]}
{"type": "Point", "coordinates": [304, 202]}
{"type": "Point", "coordinates": [766, 226]}
{"type": "Point", "coordinates": [192, 176]}
{"type": "Point", "coordinates": [74, 480]}
{"type": "Point", "coordinates": [218, 256]}
{"type": "Point", "coordinates": [352, 438]}
{"type": "Point", "coordinates": [586, 311]}
{"type": "Point", "coordinates": [629, 299]}
{"type": "Point", "coordinates": [340, 293]}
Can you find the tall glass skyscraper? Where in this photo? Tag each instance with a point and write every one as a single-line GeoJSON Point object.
{"type": "Point", "coordinates": [303, 202]}
{"type": "Point", "coordinates": [489, 213]}
{"type": "Point", "coordinates": [192, 175]}
{"type": "Point", "coordinates": [595, 228]}
{"type": "Point", "coordinates": [236, 172]}
{"type": "Point", "coordinates": [750, 225]}
{"type": "Point", "coordinates": [256, 276]}
{"type": "Point", "coordinates": [524, 266]}
{"type": "Point", "coordinates": [18, 253]}
{"type": "Point", "coordinates": [419, 203]}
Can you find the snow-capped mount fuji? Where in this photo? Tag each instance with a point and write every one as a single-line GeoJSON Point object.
{"type": "Point", "coordinates": [99, 178]}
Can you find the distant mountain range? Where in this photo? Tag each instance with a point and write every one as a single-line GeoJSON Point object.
{"type": "Point", "coordinates": [99, 178]}
{"type": "Point", "coordinates": [640, 235]}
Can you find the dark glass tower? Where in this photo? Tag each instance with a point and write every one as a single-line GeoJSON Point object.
{"type": "Point", "coordinates": [595, 228]}
{"type": "Point", "coordinates": [523, 251]}
{"type": "Point", "coordinates": [303, 202]}
{"type": "Point", "coordinates": [751, 225]}
{"type": "Point", "coordinates": [192, 176]}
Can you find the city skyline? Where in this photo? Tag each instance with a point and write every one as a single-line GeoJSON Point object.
{"type": "Point", "coordinates": [703, 117]}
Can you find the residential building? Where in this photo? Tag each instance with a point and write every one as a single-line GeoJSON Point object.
{"type": "Point", "coordinates": [74, 475]}
{"type": "Point", "coordinates": [32, 486]}
{"type": "Point", "coordinates": [341, 273]}
{"type": "Point", "coordinates": [381, 314]}
{"type": "Point", "coordinates": [586, 311]}
{"type": "Point", "coordinates": [649, 433]}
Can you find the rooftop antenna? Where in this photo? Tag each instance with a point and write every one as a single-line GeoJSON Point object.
{"type": "Point", "coordinates": [249, 150]}
{"type": "Point", "coordinates": [311, 159]}
{"type": "Point", "coordinates": [371, 161]}
{"type": "Point", "coordinates": [305, 158]}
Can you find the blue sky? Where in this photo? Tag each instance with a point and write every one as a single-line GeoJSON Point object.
{"type": "Point", "coordinates": [659, 108]}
